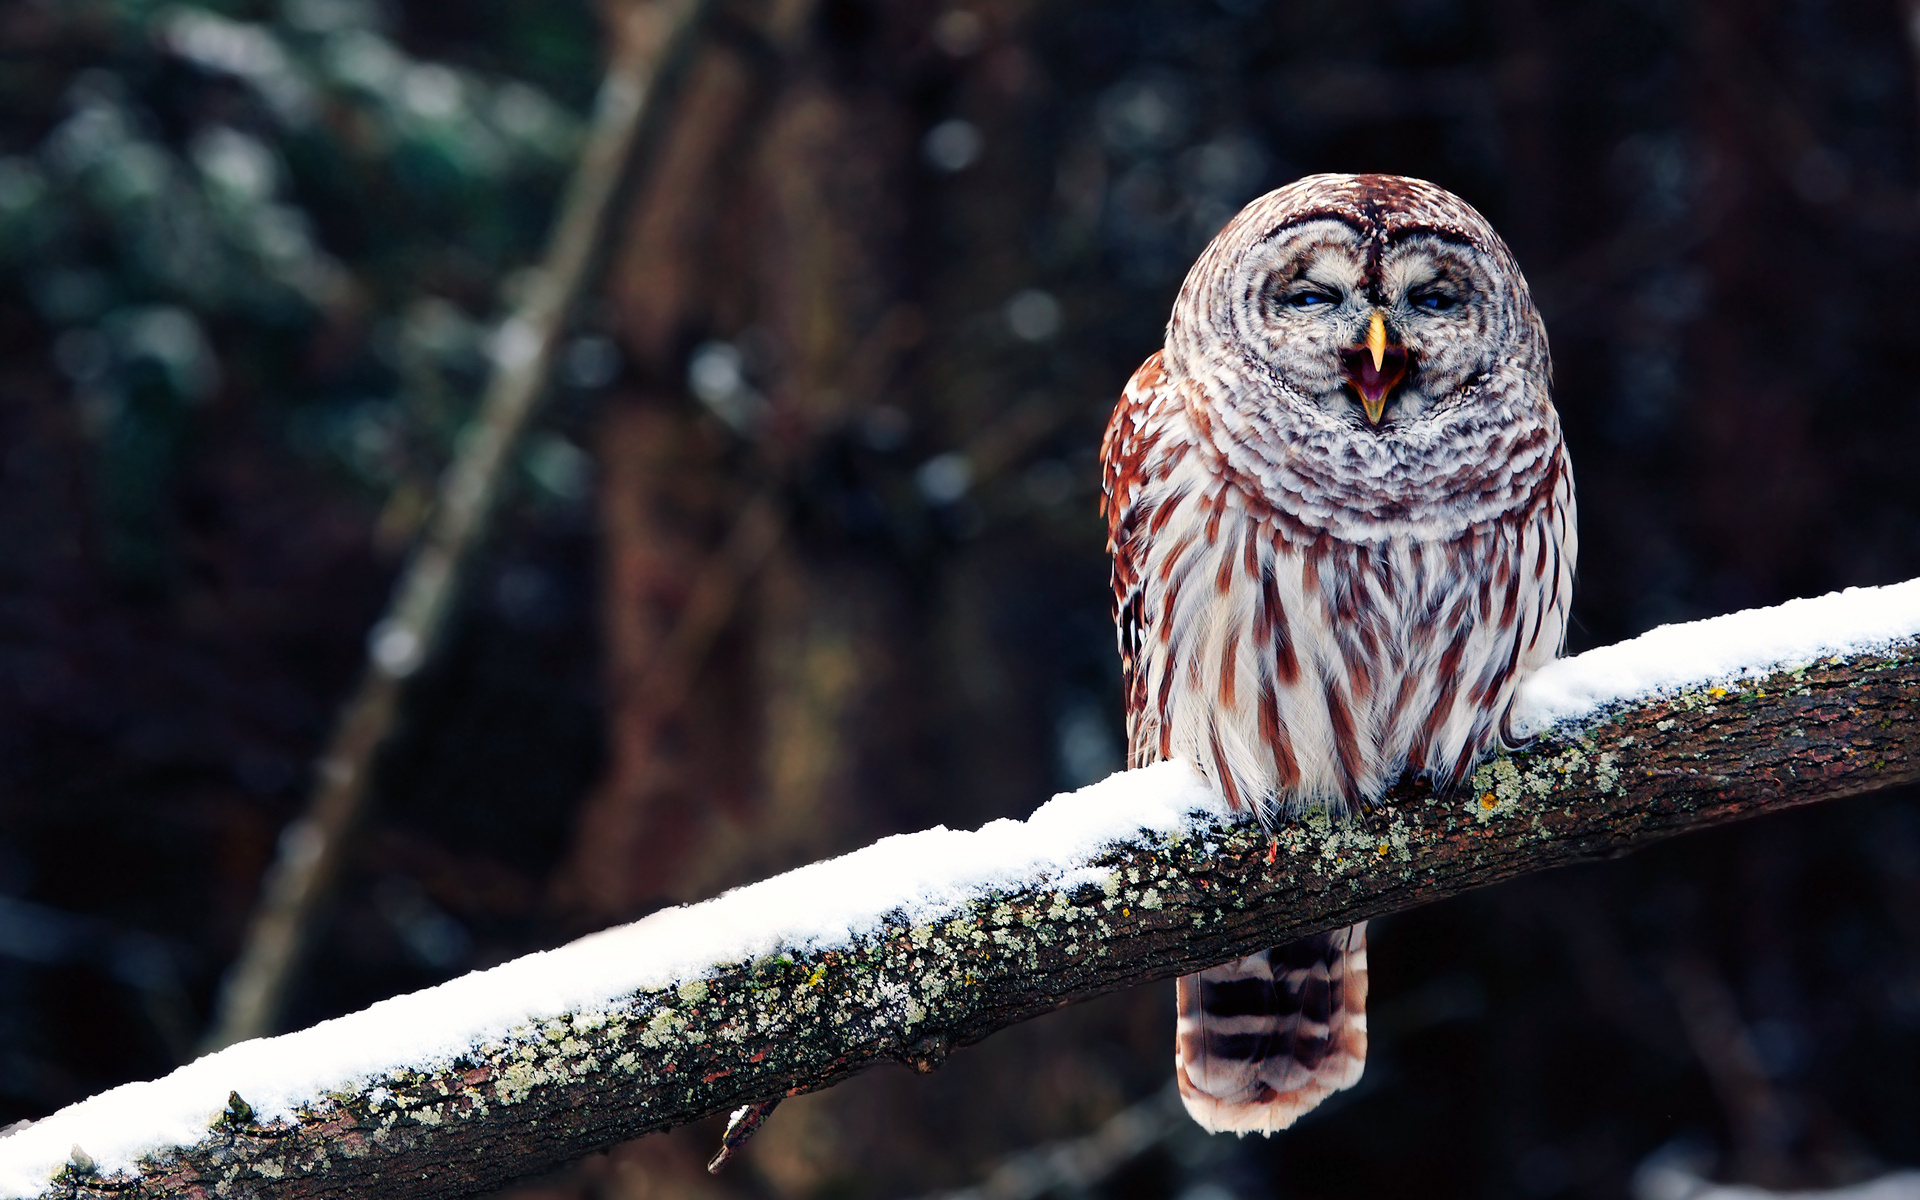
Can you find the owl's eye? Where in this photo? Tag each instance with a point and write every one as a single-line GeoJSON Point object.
{"type": "Point", "coordinates": [1434, 301]}
{"type": "Point", "coordinates": [1307, 299]}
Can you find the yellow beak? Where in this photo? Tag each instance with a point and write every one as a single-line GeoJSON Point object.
{"type": "Point", "coordinates": [1374, 368]}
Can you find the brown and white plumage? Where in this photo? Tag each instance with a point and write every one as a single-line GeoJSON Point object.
{"type": "Point", "coordinates": [1342, 526]}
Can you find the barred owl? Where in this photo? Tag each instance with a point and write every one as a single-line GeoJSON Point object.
{"type": "Point", "coordinates": [1342, 527]}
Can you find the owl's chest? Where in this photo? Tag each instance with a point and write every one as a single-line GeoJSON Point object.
{"type": "Point", "coordinates": [1296, 667]}
{"type": "Point", "coordinates": [1295, 605]}
{"type": "Point", "coordinates": [1303, 647]}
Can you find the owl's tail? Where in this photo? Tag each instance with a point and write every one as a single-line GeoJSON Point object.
{"type": "Point", "coordinates": [1264, 1038]}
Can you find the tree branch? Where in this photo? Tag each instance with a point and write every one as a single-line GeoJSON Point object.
{"type": "Point", "coordinates": [792, 1020]}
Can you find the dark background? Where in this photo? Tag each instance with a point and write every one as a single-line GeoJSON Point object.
{"type": "Point", "coordinates": [888, 270]}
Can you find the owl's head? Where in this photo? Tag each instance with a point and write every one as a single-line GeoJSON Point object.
{"type": "Point", "coordinates": [1361, 304]}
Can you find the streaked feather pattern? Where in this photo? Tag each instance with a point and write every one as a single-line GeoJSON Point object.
{"type": "Point", "coordinates": [1309, 606]}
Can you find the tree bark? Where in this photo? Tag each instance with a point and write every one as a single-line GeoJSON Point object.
{"type": "Point", "coordinates": [751, 1032]}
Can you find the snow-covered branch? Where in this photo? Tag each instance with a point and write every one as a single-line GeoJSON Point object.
{"type": "Point", "coordinates": [922, 943]}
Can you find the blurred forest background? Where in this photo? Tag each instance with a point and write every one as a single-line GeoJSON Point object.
{"type": "Point", "coordinates": [804, 547]}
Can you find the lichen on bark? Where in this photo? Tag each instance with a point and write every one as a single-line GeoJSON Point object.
{"type": "Point", "coordinates": [1149, 909]}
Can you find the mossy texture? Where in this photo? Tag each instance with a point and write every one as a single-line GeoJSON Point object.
{"type": "Point", "coordinates": [1158, 907]}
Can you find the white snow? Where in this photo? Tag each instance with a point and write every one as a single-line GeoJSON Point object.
{"type": "Point", "coordinates": [1677, 1172]}
{"type": "Point", "coordinates": [926, 876]}
{"type": "Point", "coordinates": [1719, 650]}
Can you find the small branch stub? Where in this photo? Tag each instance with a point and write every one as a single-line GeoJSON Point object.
{"type": "Point", "coordinates": [238, 1111]}
{"type": "Point", "coordinates": [745, 1122]}
{"type": "Point", "coordinates": [926, 1055]}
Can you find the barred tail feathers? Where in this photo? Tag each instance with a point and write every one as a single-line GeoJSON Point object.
{"type": "Point", "coordinates": [1265, 1038]}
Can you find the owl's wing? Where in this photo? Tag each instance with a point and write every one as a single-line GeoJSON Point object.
{"type": "Point", "coordinates": [1550, 545]}
{"type": "Point", "coordinates": [1135, 438]}
{"type": "Point", "coordinates": [1127, 447]}
{"type": "Point", "coordinates": [1561, 531]}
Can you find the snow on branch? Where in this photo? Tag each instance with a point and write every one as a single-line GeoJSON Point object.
{"type": "Point", "coordinates": [922, 943]}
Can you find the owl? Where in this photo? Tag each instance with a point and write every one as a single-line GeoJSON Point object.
{"type": "Point", "coordinates": [1342, 526]}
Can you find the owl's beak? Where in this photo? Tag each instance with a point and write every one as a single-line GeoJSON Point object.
{"type": "Point", "coordinates": [1374, 368]}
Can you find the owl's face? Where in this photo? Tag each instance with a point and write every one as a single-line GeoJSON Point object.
{"type": "Point", "coordinates": [1380, 345]}
{"type": "Point", "coordinates": [1362, 305]}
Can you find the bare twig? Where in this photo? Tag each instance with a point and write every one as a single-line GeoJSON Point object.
{"type": "Point", "coordinates": [711, 602]}
{"type": "Point", "coordinates": [611, 821]}
{"type": "Point", "coordinates": [746, 1120]}
{"type": "Point", "coordinates": [312, 847]}
{"type": "Point", "coordinates": [1073, 1166]}
{"type": "Point", "coordinates": [1724, 1045]}
{"type": "Point", "coordinates": [749, 1032]}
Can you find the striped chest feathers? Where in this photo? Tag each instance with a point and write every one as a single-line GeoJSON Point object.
{"type": "Point", "coordinates": [1297, 669]}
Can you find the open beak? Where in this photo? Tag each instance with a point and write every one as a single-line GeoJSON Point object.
{"type": "Point", "coordinates": [1375, 368]}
